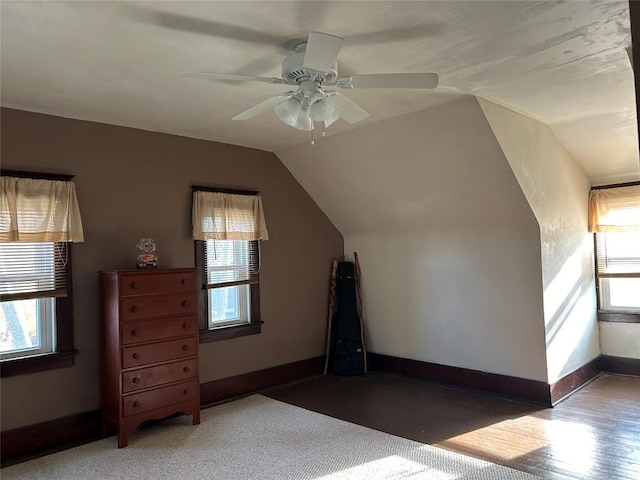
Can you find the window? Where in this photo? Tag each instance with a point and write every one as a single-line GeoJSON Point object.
{"type": "Point", "coordinates": [230, 268]}
{"type": "Point", "coordinates": [615, 219]}
{"type": "Point", "coordinates": [31, 270]}
{"type": "Point", "coordinates": [36, 323]}
{"type": "Point", "coordinates": [228, 227]}
{"type": "Point", "coordinates": [26, 327]}
{"type": "Point", "coordinates": [618, 260]}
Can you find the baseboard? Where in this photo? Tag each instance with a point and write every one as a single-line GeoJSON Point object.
{"type": "Point", "coordinates": [513, 387]}
{"type": "Point", "coordinates": [575, 380]}
{"type": "Point", "coordinates": [55, 435]}
{"type": "Point", "coordinates": [231, 387]}
{"type": "Point", "coordinates": [47, 437]}
{"type": "Point", "coordinates": [620, 365]}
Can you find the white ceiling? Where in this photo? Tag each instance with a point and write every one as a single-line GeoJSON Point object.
{"type": "Point", "coordinates": [563, 63]}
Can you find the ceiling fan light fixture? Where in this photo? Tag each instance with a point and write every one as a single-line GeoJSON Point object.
{"type": "Point", "coordinates": [321, 110]}
{"type": "Point", "coordinates": [291, 113]}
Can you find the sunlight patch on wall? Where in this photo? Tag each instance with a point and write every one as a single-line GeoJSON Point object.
{"type": "Point", "coordinates": [561, 287]}
{"type": "Point", "coordinates": [569, 303]}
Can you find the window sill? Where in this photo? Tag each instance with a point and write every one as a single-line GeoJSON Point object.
{"type": "Point", "coordinates": [37, 363]}
{"type": "Point", "coordinates": [621, 317]}
{"type": "Point", "coordinates": [224, 333]}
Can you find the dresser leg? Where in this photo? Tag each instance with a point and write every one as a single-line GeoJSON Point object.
{"type": "Point", "coordinates": [196, 417]}
{"type": "Point", "coordinates": [122, 439]}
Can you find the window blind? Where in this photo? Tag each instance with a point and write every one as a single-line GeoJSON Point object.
{"type": "Point", "coordinates": [32, 270]}
{"type": "Point", "coordinates": [38, 210]}
{"type": "Point", "coordinates": [618, 254]}
{"type": "Point", "coordinates": [231, 262]}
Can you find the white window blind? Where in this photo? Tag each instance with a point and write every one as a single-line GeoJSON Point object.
{"type": "Point", "coordinates": [231, 262]}
{"type": "Point", "coordinates": [32, 270]}
{"type": "Point", "coordinates": [618, 254]}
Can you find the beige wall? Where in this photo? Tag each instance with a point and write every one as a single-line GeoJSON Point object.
{"type": "Point", "coordinates": [558, 190]}
{"type": "Point", "coordinates": [449, 247]}
{"type": "Point", "coordinates": [620, 339]}
{"type": "Point", "coordinates": [131, 184]}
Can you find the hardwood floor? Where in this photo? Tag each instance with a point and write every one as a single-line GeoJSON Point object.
{"type": "Point", "coordinates": [593, 434]}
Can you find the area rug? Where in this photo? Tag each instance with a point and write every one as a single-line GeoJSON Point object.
{"type": "Point", "coordinates": [259, 438]}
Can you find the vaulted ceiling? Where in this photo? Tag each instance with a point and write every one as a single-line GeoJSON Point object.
{"type": "Point", "coordinates": [563, 63]}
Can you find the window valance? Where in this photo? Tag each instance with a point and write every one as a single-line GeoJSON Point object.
{"type": "Point", "coordinates": [615, 209]}
{"type": "Point", "coordinates": [35, 210]}
{"type": "Point", "coordinates": [228, 216]}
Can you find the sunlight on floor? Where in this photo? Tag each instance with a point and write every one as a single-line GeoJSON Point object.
{"type": "Point", "coordinates": [571, 444]}
{"type": "Point", "coordinates": [393, 466]}
{"type": "Point", "coordinates": [574, 445]}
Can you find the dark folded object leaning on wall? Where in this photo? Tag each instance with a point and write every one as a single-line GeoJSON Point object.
{"type": "Point", "coordinates": [347, 352]}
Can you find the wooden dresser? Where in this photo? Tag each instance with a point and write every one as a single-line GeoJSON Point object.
{"type": "Point", "coordinates": [149, 347]}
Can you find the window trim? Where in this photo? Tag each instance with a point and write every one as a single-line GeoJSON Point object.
{"type": "Point", "coordinates": [618, 317]}
{"type": "Point", "coordinates": [63, 356]}
{"type": "Point", "coordinates": [224, 332]}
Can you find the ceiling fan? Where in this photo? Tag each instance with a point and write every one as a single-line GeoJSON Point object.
{"type": "Point", "coordinates": [311, 67]}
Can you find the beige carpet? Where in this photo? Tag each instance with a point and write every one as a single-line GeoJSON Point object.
{"type": "Point", "coordinates": [259, 438]}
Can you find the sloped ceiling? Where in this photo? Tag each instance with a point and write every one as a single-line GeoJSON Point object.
{"type": "Point", "coordinates": [402, 174]}
{"type": "Point", "coordinates": [563, 63]}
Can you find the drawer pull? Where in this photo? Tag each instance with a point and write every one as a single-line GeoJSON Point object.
{"type": "Point", "coordinates": [185, 391]}
{"type": "Point", "coordinates": [136, 403]}
{"type": "Point", "coordinates": [185, 347]}
{"type": "Point", "coordinates": [133, 285]}
{"type": "Point", "coordinates": [186, 303]}
{"type": "Point", "coordinates": [134, 308]}
{"type": "Point", "coordinates": [185, 325]}
{"type": "Point", "coordinates": [135, 379]}
{"type": "Point", "coordinates": [134, 332]}
{"type": "Point", "coordinates": [186, 369]}
{"type": "Point", "coordinates": [183, 281]}
{"type": "Point", "coordinates": [136, 356]}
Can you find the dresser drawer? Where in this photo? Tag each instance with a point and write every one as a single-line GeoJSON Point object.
{"type": "Point", "coordinates": [160, 282]}
{"type": "Point", "coordinates": [160, 397]}
{"type": "Point", "coordinates": [158, 375]}
{"type": "Point", "coordinates": [158, 329]}
{"type": "Point", "coordinates": [138, 355]}
{"type": "Point", "coordinates": [149, 306]}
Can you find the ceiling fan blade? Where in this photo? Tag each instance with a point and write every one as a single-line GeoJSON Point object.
{"type": "Point", "coordinates": [349, 111]}
{"type": "Point", "coordinates": [321, 51]}
{"type": "Point", "coordinates": [394, 80]}
{"type": "Point", "coordinates": [229, 76]}
{"type": "Point", "coordinates": [196, 24]}
{"type": "Point", "coordinates": [263, 106]}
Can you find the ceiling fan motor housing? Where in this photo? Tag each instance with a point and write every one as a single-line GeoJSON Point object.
{"type": "Point", "coordinates": [293, 72]}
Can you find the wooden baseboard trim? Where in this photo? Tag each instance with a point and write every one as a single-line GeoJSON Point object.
{"type": "Point", "coordinates": [47, 437]}
{"type": "Point", "coordinates": [620, 365]}
{"type": "Point", "coordinates": [575, 380]}
{"type": "Point", "coordinates": [40, 439]}
{"type": "Point", "coordinates": [230, 387]}
{"type": "Point", "coordinates": [35, 440]}
{"type": "Point", "coordinates": [513, 387]}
